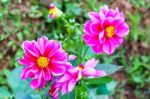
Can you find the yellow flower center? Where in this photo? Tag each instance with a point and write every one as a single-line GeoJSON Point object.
{"type": "Point", "coordinates": [42, 62]}
{"type": "Point", "coordinates": [110, 31]}
{"type": "Point", "coordinates": [81, 67]}
{"type": "Point", "coordinates": [52, 10]}
{"type": "Point", "coordinates": [55, 12]}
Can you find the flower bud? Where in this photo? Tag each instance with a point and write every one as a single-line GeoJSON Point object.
{"type": "Point", "coordinates": [54, 12]}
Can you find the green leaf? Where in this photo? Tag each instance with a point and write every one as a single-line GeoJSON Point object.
{"type": "Point", "coordinates": [15, 81]}
{"type": "Point", "coordinates": [4, 93]}
{"type": "Point", "coordinates": [108, 68]}
{"type": "Point", "coordinates": [22, 95]}
{"type": "Point", "coordinates": [99, 80]}
{"type": "Point", "coordinates": [92, 95]}
{"type": "Point", "coordinates": [112, 86]}
{"type": "Point", "coordinates": [68, 95]}
{"type": "Point", "coordinates": [102, 97]}
{"type": "Point", "coordinates": [102, 90]}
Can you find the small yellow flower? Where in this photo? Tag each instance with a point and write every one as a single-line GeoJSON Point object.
{"type": "Point", "coordinates": [54, 12]}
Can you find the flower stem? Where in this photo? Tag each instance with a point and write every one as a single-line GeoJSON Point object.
{"type": "Point", "coordinates": [76, 93]}
{"type": "Point", "coordinates": [86, 50]}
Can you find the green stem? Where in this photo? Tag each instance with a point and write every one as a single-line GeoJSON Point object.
{"type": "Point", "coordinates": [86, 50]}
{"type": "Point", "coordinates": [64, 19]}
{"type": "Point", "coordinates": [81, 90]}
{"type": "Point", "coordinates": [76, 93]}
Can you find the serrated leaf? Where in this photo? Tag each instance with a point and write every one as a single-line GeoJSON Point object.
{"type": "Point", "coordinates": [108, 68]}
{"type": "Point", "coordinates": [99, 80]}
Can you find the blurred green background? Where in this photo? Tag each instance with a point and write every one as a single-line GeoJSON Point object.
{"type": "Point", "coordinates": [26, 20]}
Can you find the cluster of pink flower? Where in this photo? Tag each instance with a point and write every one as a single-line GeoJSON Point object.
{"type": "Point", "coordinates": [45, 59]}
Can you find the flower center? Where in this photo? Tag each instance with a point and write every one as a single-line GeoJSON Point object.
{"type": "Point", "coordinates": [52, 10]}
{"type": "Point", "coordinates": [81, 67]}
{"type": "Point", "coordinates": [42, 62]}
{"type": "Point", "coordinates": [110, 31]}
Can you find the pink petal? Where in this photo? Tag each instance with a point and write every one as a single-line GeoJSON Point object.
{"type": "Point", "coordinates": [105, 9]}
{"type": "Point", "coordinates": [41, 42]}
{"type": "Point", "coordinates": [102, 15]}
{"type": "Point", "coordinates": [40, 78]}
{"type": "Point", "coordinates": [73, 70]}
{"type": "Point", "coordinates": [64, 88]}
{"type": "Point", "coordinates": [59, 55]}
{"type": "Point", "coordinates": [42, 85]}
{"type": "Point", "coordinates": [86, 27]}
{"type": "Point", "coordinates": [112, 13]}
{"type": "Point", "coordinates": [68, 65]}
{"type": "Point", "coordinates": [54, 47]}
{"type": "Point", "coordinates": [91, 63]}
{"type": "Point", "coordinates": [34, 69]}
{"type": "Point", "coordinates": [26, 73]}
{"type": "Point", "coordinates": [26, 62]}
{"type": "Point", "coordinates": [34, 84]}
{"type": "Point", "coordinates": [103, 39]}
{"type": "Point", "coordinates": [57, 68]}
{"type": "Point", "coordinates": [94, 16]}
{"type": "Point", "coordinates": [30, 49]}
{"type": "Point", "coordinates": [51, 6]}
{"type": "Point", "coordinates": [88, 71]}
{"type": "Point", "coordinates": [116, 40]}
{"type": "Point", "coordinates": [79, 76]}
{"type": "Point", "coordinates": [63, 78]}
{"type": "Point", "coordinates": [101, 35]}
{"type": "Point", "coordinates": [108, 21]}
{"type": "Point", "coordinates": [90, 41]}
{"type": "Point", "coordinates": [95, 28]}
{"type": "Point", "coordinates": [71, 85]}
{"type": "Point", "coordinates": [47, 75]}
{"type": "Point", "coordinates": [108, 47]}
{"type": "Point", "coordinates": [122, 30]}
{"type": "Point", "coordinates": [100, 73]}
{"type": "Point", "coordinates": [72, 57]}
{"type": "Point", "coordinates": [50, 47]}
{"type": "Point", "coordinates": [97, 49]}
{"type": "Point", "coordinates": [117, 21]}
{"type": "Point", "coordinates": [53, 91]}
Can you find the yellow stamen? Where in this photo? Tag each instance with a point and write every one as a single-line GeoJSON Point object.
{"type": "Point", "coordinates": [52, 10]}
{"type": "Point", "coordinates": [81, 67]}
{"type": "Point", "coordinates": [110, 31]}
{"type": "Point", "coordinates": [55, 12]}
{"type": "Point", "coordinates": [42, 62]}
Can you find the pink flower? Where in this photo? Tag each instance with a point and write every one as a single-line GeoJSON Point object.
{"type": "Point", "coordinates": [67, 82]}
{"type": "Point", "coordinates": [54, 12]}
{"type": "Point", "coordinates": [43, 60]}
{"type": "Point", "coordinates": [72, 57]}
{"type": "Point", "coordinates": [105, 30]}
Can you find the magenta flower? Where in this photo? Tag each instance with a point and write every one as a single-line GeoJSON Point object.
{"type": "Point", "coordinates": [43, 60]}
{"type": "Point", "coordinates": [67, 82]}
{"type": "Point", "coordinates": [105, 30]}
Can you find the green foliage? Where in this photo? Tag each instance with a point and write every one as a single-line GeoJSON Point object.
{"type": "Point", "coordinates": [108, 68]}
{"type": "Point", "coordinates": [102, 89]}
{"type": "Point", "coordinates": [4, 93]}
{"type": "Point", "coordinates": [25, 21]}
{"type": "Point", "coordinates": [136, 70]}
{"type": "Point", "coordinates": [99, 80]}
